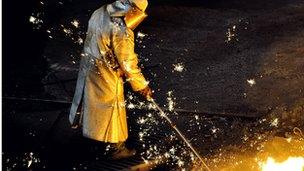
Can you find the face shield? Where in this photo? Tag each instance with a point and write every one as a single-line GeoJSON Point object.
{"type": "Point", "coordinates": [118, 8]}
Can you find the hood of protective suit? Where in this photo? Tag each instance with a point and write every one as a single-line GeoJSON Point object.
{"type": "Point", "coordinates": [133, 11]}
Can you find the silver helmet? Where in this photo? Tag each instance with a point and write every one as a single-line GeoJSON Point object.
{"type": "Point", "coordinates": [133, 11]}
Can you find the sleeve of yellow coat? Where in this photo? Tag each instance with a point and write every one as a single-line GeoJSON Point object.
{"type": "Point", "coordinates": [123, 44]}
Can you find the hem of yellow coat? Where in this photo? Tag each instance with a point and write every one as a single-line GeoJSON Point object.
{"type": "Point", "coordinates": [138, 88]}
{"type": "Point", "coordinates": [105, 141]}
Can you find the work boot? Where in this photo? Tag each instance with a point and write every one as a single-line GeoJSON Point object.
{"type": "Point", "coordinates": [121, 151]}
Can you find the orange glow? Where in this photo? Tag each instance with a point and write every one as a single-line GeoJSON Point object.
{"type": "Point", "coordinates": [292, 163]}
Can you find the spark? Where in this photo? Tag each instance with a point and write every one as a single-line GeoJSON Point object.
{"type": "Point", "coordinates": [170, 101]}
{"type": "Point", "coordinates": [151, 106]}
{"type": "Point", "coordinates": [141, 135]}
{"type": "Point", "coordinates": [29, 163]}
{"type": "Point", "coordinates": [146, 161]}
{"type": "Point", "coordinates": [84, 54]}
{"type": "Point", "coordinates": [179, 67]}
{"type": "Point", "coordinates": [214, 130]}
{"type": "Point", "coordinates": [67, 31]}
{"type": "Point", "coordinates": [131, 106]}
{"type": "Point", "coordinates": [32, 19]}
{"type": "Point", "coordinates": [245, 138]}
{"type": "Point", "coordinates": [167, 155]}
{"type": "Point", "coordinates": [180, 163]}
{"type": "Point", "coordinates": [130, 97]}
{"type": "Point", "coordinates": [172, 150]}
{"type": "Point", "coordinates": [251, 82]}
{"type": "Point", "coordinates": [75, 23]}
{"type": "Point", "coordinates": [141, 120]}
{"type": "Point", "coordinates": [231, 34]}
{"type": "Point", "coordinates": [141, 35]}
{"type": "Point", "coordinates": [31, 159]}
{"type": "Point", "coordinates": [79, 41]}
{"type": "Point", "coordinates": [108, 147]}
{"type": "Point", "coordinates": [141, 105]}
{"type": "Point", "coordinates": [275, 122]}
{"type": "Point", "coordinates": [35, 20]}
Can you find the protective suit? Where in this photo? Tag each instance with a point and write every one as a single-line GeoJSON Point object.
{"type": "Point", "coordinates": [108, 57]}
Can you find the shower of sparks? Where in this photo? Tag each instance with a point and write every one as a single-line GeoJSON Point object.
{"type": "Point", "coordinates": [179, 67]}
{"type": "Point", "coordinates": [26, 161]}
{"type": "Point", "coordinates": [171, 152]}
{"type": "Point", "coordinates": [251, 82]}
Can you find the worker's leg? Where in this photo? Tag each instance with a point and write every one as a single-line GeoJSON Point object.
{"type": "Point", "coordinates": [78, 116]}
{"type": "Point", "coordinates": [119, 150]}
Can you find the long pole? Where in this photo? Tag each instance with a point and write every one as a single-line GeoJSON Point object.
{"type": "Point", "coordinates": [163, 114]}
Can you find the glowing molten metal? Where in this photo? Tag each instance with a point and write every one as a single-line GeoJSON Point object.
{"type": "Point", "coordinates": [292, 164]}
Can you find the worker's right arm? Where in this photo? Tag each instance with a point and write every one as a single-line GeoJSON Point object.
{"type": "Point", "coordinates": [123, 46]}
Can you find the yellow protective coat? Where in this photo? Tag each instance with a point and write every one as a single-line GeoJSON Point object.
{"type": "Point", "coordinates": [100, 78]}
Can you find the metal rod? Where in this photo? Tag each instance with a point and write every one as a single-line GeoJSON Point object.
{"type": "Point", "coordinates": [162, 114]}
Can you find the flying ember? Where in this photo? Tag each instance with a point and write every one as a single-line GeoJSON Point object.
{"type": "Point", "coordinates": [251, 82]}
{"type": "Point", "coordinates": [179, 67]}
{"type": "Point", "coordinates": [75, 23]}
{"type": "Point", "coordinates": [35, 20]}
{"type": "Point", "coordinates": [141, 35]}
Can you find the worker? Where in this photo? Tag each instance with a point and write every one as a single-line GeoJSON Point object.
{"type": "Point", "coordinates": [107, 61]}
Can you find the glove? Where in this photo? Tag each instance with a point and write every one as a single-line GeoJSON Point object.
{"type": "Point", "coordinates": [146, 92]}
